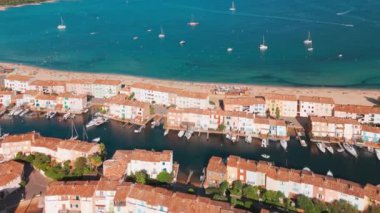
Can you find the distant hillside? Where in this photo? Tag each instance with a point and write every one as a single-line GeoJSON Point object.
{"type": "Point", "coordinates": [18, 2]}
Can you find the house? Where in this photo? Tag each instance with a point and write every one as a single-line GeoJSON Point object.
{"type": "Point", "coordinates": [18, 83]}
{"type": "Point", "coordinates": [73, 149]}
{"type": "Point", "coordinates": [128, 162]}
{"type": "Point", "coordinates": [11, 175]}
{"type": "Point", "coordinates": [370, 134]}
{"type": "Point", "coordinates": [45, 102]}
{"type": "Point", "coordinates": [120, 107]}
{"type": "Point", "coordinates": [216, 172]}
{"type": "Point", "coordinates": [277, 128]}
{"type": "Point", "coordinates": [154, 94]}
{"type": "Point", "coordinates": [79, 86]}
{"type": "Point", "coordinates": [104, 195]}
{"type": "Point", "coordinates": [281, 105]}
{"type": "Point", "coordinates": [190, 99]}
{"type": "Point", "coordinates": [75, 103]}
{"type": "Point", "coordinates": [105, 88]}
{"type": "Point", "coordinates": [315, 106]}
{"type": "Point", "coordinates": [254, 105]}
{"type": "Point", "coordinates": [28, 98]}
{"type": "Point", "coordinates": [332, 127]}
{"type": "Point", "coordinates": [6, 98]}
{"type": "Point", "coordinates": [13, 144]}
{"type": "Point", "coordinates": [48, 86]}
{"type": "Point", "coordinates": [364, 114]}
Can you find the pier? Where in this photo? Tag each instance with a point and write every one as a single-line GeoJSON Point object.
{"type": "Point", "coordinates": [189, 177]}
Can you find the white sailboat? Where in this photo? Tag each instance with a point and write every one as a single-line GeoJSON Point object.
{"type": "Point", "coordinates": [329, 173]}
{"type": "Point", "coordinates": [284, 144]}
{"type": "Point", "coordinates": [230, 49]}
{"type": "Point", "coordinates": [263, 47]}
{"type": "Point", "coordinates": [308, 41]}
{"type": "Point", "coordinates": [233, 8]}
{"type": "Point", "coordinates": [96, 140]}
{"type": "Point", "coordinates": [181, 133]}
{"type": "Point", "coordinates": [192, 23]}
{"type": "Point", "coordinates": [265, 156]}
{"type": "Point", "coordinates": [162, 34]}
{"type": "Point", "coordinates": [74, 132]}
{"type": "Point", "coordinates": [61, 26]}
{"type": "Point", "coordinates": [330, 148]}
{"type": "Point", "coordinates": [377, 151]}
{"type": "Point", "coordinates": [321, 147]}
{"type": "Point", "coordinates": [166, 132]}
{"type": "Point", "coordinates": [350, 149]}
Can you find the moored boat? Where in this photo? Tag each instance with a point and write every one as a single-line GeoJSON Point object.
{"type": "Point", "coordinates": [181, 133]}
{"type": "Point", "coordinates": [248, 139]}
{"type": "Point", "coordinates": [188, 134]}
{"type": "Point", "coordinates": [329, 148]}
{"type": "Point", "coordinates": [96, 140]}
{"type": "Point", "coordinates": [264, 143]}
{"type": "Point", "coordinates": [166, 132]}
{"type": "Point", "coordinates": [284, 144]}
{"type": "Point", "coordinates": [66, 116]}
{"type": "Point", "coordinates": [329, 173]}
{"type": "Point", "coordinates": [340, 149]}
{"type": "Point", "coordinates": [321, 147]}
{"type": "Point", "coordinates": [139, 129]}
{"type": "Point", "coordinates": [350, 149]}
{"type": "Point", "coordinates": [303, 143]}
{"type": "Point", "coordinates": [377, 151]}
{"type": "Point", "coordinates": [265, 156]}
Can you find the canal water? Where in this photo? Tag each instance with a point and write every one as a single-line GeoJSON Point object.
{"type": "Point", "coordinates": [195, 153]}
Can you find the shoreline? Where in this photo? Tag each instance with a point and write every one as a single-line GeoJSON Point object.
{"type": "Point", "coordinates": [4, 8]}
{"type": "Point", "coordinates": [340, 95]}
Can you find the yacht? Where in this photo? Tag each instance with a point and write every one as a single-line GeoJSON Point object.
{"type": "Point", "coordinates": [166, 132]}
{"type": "Point", "coordinates": [181, 133]}
{"type": "Point", "coordinates": [66, 116]}
{"type": "Point", "coordinates": [182, 42]}
{"type": "Point", "coordinates": [248, 139]}
{"type": "Point", "coordinates": [233, 8]}
{"type": "Point", "coordinates": [310, 49]}
{"type": "Point", "coordinates": [321, 147]}
{"type": "Point", "coordinates": [341, 149]}
{"type": "Point", "coordinates": [193, 23]}
{"type": "Point", "coordinates": [265, 156]}
{"type": "Point", "coordinates": [139, 129]}
{"type": "Point", "coordinates": [188, 134]}
{"type": "Point", "coordinates": [308, 41]}
{"type": "Point", "coordinates": [96, 140]}
{"type": "Point", "coordinates": [303, 143]}
{"type": "Point", "coordinates": [263, 47]}
{"type": "Point", "coordinates": [377, 151]}
{"type": "Point", "coordinates": [329, 148]}
{"type": "Point", "coordinates": [230, 49]}
{"type": "Point", "coordinates": [284, 144]}
{"type": "Point", "coordinates": [329, 173]}
{"type": "Point", "coordinates": [62, 26]}
{"type": "Point", "coordinates": [350, 149]}
{"type": "Point", "coordinates": [162, 34]}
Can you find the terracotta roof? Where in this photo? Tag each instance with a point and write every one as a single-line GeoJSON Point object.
{"type": "Point", "coordinates": [71, 95]}
{"type": "Point", "coordinates": [47, 83]}
{"type": "Point", "coordinates": [16, 77]}
{"type": "Point", "coordinates": [46, 97]}
{"type": "Point", "coordinates": [123, 100]}
{"type": "Point", "coordinates": [152, 87]}
{"type": "Point", "coordinates": [241, 163]}
{"type": "Point", "coordinates": [107, 82]}
{"type": "Point", "coordinates": [6, 92]}
{"type": "Point", "coordinates": [282, 97]}
{"type": "Point", "coordinates": [50, 143]}
{"type": "Point", "coordinates": [20, 137]}
{"type": "Point", "coordinates": [358, 109]}
{"type": "Point", "coordinates": [215, 164]}
{"type": "Point", "coordinates": [373, 129]}
{"type": "Point", "coordinates": [10, 170]}
{"type": "Point", "coordinates": [333, 120]}
{"type": "Point", "coordinates": [191, 94]}
{"type": "Point", "coordinates": [74, 188]}
{"type": "Point", "coordinates": [107, 185]}
{"type": "Point", "coordinates": [80, 81]}
{"type": "Point", "coordinates": [76, 145]}
{"type": "Point", "coordinates": [243, 100]}
{"type": "Point", "coordinates": [315, 99]}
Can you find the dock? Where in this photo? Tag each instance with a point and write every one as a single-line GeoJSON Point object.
{"type": "Point", "coordinates": [189, 177]}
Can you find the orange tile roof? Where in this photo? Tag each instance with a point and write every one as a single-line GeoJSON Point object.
{"type": "Point", "coordinates": [123, 100]}
{"type": "Point", "coordinates": [243, 100]}
{"type": "Point", "coordinates": [373, 129]}
{"type": "Point", "coordinates": [6, 92]}
{"type": "Point", "coordinates": [47, 142]}
{"type": "Point", "coordinates": [191, 94]}
{"type": "Point", "coordinates": [215, 164]}
{"type": "Point", "coordinates": [334, 120]}
{"type": "Point", "coordinates": [107, 82]}
{"type": "Point", "coordinates": [20, 137]}
{"type": "Point", "coordinates": [80, 81]}
{"type": "Point", "coordinates": [46, 97]}
{"type": "Point", "coordinates": [315, 99]}
{"type": "Point", "coordinates": [358, 109]}
{"type": "Point", "coordinates": [71, 95]}
{"type": "Point", "coordinates": [10, 170]}
{"type": "Point", "coordinates": [282, 97]}
{"type": "Point", "coordinates": [80, 146]}
{"type": "Point", "coordinates": [47, 83]}
{"type": "Point", "coordinates": [152, 87]}
{"type": "Point", "coordinates": [16, 77]}
{"type": "Point", "coordinates": [74, 188]}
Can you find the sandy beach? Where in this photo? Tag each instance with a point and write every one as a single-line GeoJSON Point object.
{"type": "Point", "coordinates": [3, 8]}
{"type": "Point", "coordinates": [340, 95]}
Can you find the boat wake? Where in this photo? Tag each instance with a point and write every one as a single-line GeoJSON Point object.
{"type": "Point", "coordinates": [283, 18]}
{"type": "Point", "coordinates": [345, 12]}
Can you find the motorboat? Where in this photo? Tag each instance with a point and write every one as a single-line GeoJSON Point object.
{"type": "Point", "coordinates": [183, 42]}
{"type": "Point", "coordinates": [248, 139]}
{"type": "Point", "coordinates": [321, 147]}
{"type": "Point", "coordinates": [18, 112]}
{"type": "Point", "coordinates": [350, 149]}
{"type": "Point", "coordinates": [284, 144]}
{"type": "Point", "coordinates": [329, 173]}
{"type": "Point", "coordinates": [233, 138]}
{"type": "Point", "coordinates": [26, 111]}
{"type": "Point", "coordinates": [140, 129]}
{"type": "Point", "coordinates": [264, 143]}
{"type": "Point", "coordinates": [329, 148]}
{"type": "Point", "coordinates": [308, 41]}
{"type": "Point", "coordinates": [50, 114]}
{"type": "Point", "coordinates": [61, 26]}
{"type": "Point", "coordinates": [66, 116]}
{"type": "Point", "coordinates": [230, 49]}
{"type": "Point", "coordinates": [263, 47]}
{"type": "Point", "coordinates": [188, 134]}
{"type": "Point", "coordinates": [340, 149]}
{"type": "Point", "coordinates": [181, 133]}
{"type": "Point", "coordinates": [377, 151]}
{"type": "Point", "coordinates": [96, 140]}
{"type": "Point", "coordinates": [233, 7]}
{"type": "Point", "coordinates": [265, 156]}
{"type": "Point", "coordinates": [166, 132]}
{"type": "Point", "coordinates": [162, 34]}
{"type": "Point", "coordinates": [303, 143]}
{"type": "Point", "coordinates": [193, 23]}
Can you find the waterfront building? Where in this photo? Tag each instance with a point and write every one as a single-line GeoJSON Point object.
{"type": "Point", "coordinates": [315, 106]}
{"type": "Point", "coordinates": [79, 86]}
{"type": "Point", "coordinates": [128, 162]}
{"type": "Point", "coordinates": [370, 134]}
{"type": "Point", "coordinates": [11, 176]}
{"type": "Point", "coordinates": [277, 128]}
{"type": "Point", "coordinates": [190, 99]}
{"type": "Point", "coordinates": [254, 105]}
{"type": "Point", "coordinates": [32, 142]}
{"type": "Point", "coordinates": [216, 172]}
{"type": "Point", "coordinates": [48, 86]}
{"type": "Point", "coordinates": [291, 182]}
{"type": "Point", "coordinates": [45, 102]}
{"type": "Point", "coordinates": [332, 127]}
{"type": "Point", "coordinates": [106, 196]}
{"type": "Point", "coordinates": [364, 114]}
{"type": "Point", "coordinates": [18, 83]}
{"type": "Point", "coordinates": [105, 88]}
{"type": "Point", "coordinates": [6, 98]}
{"type": "Point", "coordinates": [69, 102]}
{"type": "Point", "coordinates": [154, 94]}
{"type": "Point", "coordinates": [27, 98]}
{"type": "Point", "coordinates": [119, 107]}
{"type": "Point", "coordinates": [282, 105]}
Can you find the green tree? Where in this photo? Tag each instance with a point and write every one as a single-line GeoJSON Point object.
{"type": "Point", "coordinates": [273, 197]}
{"type": "Point", "coordinates": [165, 177]}
{"type": "Point", "coordinates": [141, 177]}
{"type": "Point", "coordinates": [237, 188]}
{"type": "Point", "coordinates": [131, 96]}
{"type": "Point", "coordinates": [251, 192]}
{"type": "Point", "coordinates": [95, 161]}
{"type": "Point", "coordinates": [223, 188]}
{"type": "Point", "coordinates": [221, 127]}
{"type": "Point", "coordinates": [80, 163]}
{"type": "Point", "coordinates": [342, 206]}
{"type": "Point", "coordinates": [277, 112]}
{"type": "Point", "coordinates": [103, 151]}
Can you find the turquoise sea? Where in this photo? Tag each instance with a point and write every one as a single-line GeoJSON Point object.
{"type": "Point", "coordinates": [99, 38]}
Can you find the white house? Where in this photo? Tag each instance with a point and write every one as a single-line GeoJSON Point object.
{"type": "Point", "coordinates": [154, 94]}
{"type": "Point", "coordinates": [315, 106]}
{"type": "Point", "coordinates": [120, 107]}
{"type": "Point", "coordinates": [47, 102]}
{"type": "Point", "coordinates": [188, 99]}
{"type": "Point", "coordinates": [73, 149]}
{"type": "Point", "coordinates": [80, 86]}
{"type": "Point", "coordinates": [18, 83]}
{"type": "Point", "coordinates": [70, 102]}
{"type": "Point", "coordinates": [364, 114]}
{"type": "Point", "coordinates": [6, 98]}
{"type": "Point", "coordinates": [11, 176]}
{"type": "Point", "coordinates": [105, 88]}
{"type": "Point", "coordinates": [28, 98]}
{"type": "Point", "coordinates": [48, 86]}
{"type": "Point", "coordinates": [254, 105]}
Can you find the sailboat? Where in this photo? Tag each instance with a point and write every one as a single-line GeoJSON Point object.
{"type": "Point", "coordinates": [321, 147]}
{"type": "Point", "coordinates": [308, 41]}
{"type": "Point", "coordinates": [84, 136]}
{"type": "Point", "coordinates": [62, 26]}
{"type": "Point", "coordinates": [233, 8]}
{"type": "Point", "coordinates": [262, 46]}
{"type": "Point", "coordinates": [162, 34]}
{"type": "Point", "coordinates": [329, 148]}
{"type": "Point", "coordinates": [193, 23]}
{"type": "Point", "coordinates": [73, 131]}
{"type": "Point", "coordinates": [284, 144]}
{"type": "Point", "coordinates": [377, 153]}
